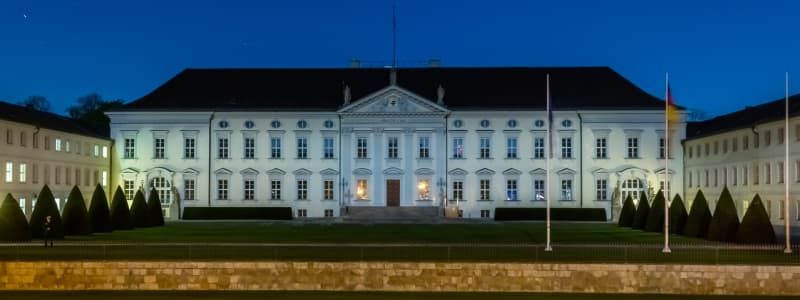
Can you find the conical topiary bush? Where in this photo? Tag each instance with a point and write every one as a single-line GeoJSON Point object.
{"type": "Point", "coordinates": [699, 217]}
{"type": "Point", "coordinates": [13, 226]}
{"type": "Point", "coordinates": [677, 215]}
{"type": "Point", "coordinates": [120, 214]}
{"type": "Point", "coordinates": [46, 206]}
{"type": "Point", "coordinates": [756, 227]}
{"type": "Point", "coordinates": [75, 216]}
{"type": "Point", "coordinates": [655, 219]}
{"type": "Point", "coordinates": [640, 218]}
{"type": "Point", "coordinates": [99, 213]}
{"type": "Point", "coordinates": [627, 213]}
{"type": "Point", "coordinates": [725, 221]}
{"type": "Point", "coordinates": [154, 205]}
{"type": "Point", "coordinates": [139, 213]}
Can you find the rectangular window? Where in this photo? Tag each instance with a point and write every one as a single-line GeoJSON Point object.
{"type": "Point", "coordinates": [734, 176]}
{"type": "Point", "coordinates": [68, 176]}
{"type": "Point", "coordinates": [159, 148]}
{"type": "Point", "coordinates": [780, 172]}
{"type": "Point", "coordinates": [35, 140]}
{"type": "Point", "coordinates": [302, 190]}
{"type": "Point", "coordinates": [275, 190]}
{"type": "Point", "coordinates": [188, 189]}
{"type": "Point", "coordinates": [23, 139]}
{"type": "Point", "coordinates": [716, 147]}
{"type": "Point", "coordinates": [66, 146]}
{"type": "Point", "coordinates": [756, 140]}
{"type": "Point", "coordinates": [486, 214]}
{"type": "Point", "coordinates": [58, 145]}
{"type": "Point", "coordinates": [755, 173]}
{"type": "Point", "coordinates": [392, 148]}
{"type": "Point", "coordinates": [662, 146]}
{"type": "Point", "coordinates": [361, 148]}
{"type": "Point", "coordinates": [424, 147]}
{"type": "Point", "coordinates": [58, 177]}
{"type": "Point", "coordinates": [302, 213]}
{"type": "Point", "coordinates": [633, 147]}
{"type": "Point", "coordinates": [716, 177]}
{"type": "Point", "coordinates": [538, 147]}
{"type": "Point", "coordinates": [46, 143]}
{"type": "Point", "coordinates": [189, 148]}
{"type": "Point", "coordinates": [275, 147]}
{"type": "Point", "coordinates": [222, 148]}
{"type": "Point", "coordinates": [458, 191]}
{"type": "Point", "coordinates": [744, 175]}
{"type": "Point", "coordinates": [249, 148]}
{"type": "Point", "coordinates": [327, 147]}
{"type": "Point", "coordinates": [328, 213]}
{"type": "Point", "coordinates": [735, 144]}
{"type": "Point", "coordinates": [767, 138]}
{"type": "Point", "coordinates": [77, 176]}
{"type": "Point", "coordinates": [361, 189]}
{"type": "Point", "coordinates": [9, 171]}
{"type": "Point", "coordinates": [538, 190]}
{"type": "Point", "coordinates": [423, 189]}
{"type": "Point", "coordinates": [707, 149]}
{"type": "Point", "coordinates": [600, 150]}
{"type": "Point", "coordinates": [249, 189]}
{"type": "Point", "coordinates": [566, 189]}
{"type": "Point", "coordinates": [601, 189]}
{"type": "Point", "coordinates": [35, 173]}
{"type": "Point", "coordinates": [724, 146]}
{"type": "Point", "coordinates": [302, 148]}
{"type": "Point", "coordinates": [566, 148]}
{"type": "Point", "coordinates": [511, 148]}
{"type": "Point", "coordinates": [23, 173]}
{"type": "Point", "coordinates": [767, 173]}
{"type": "Point", "coordinates": [327, 190]}
{"type": "Point", "coordinates": [485, 147]}
{"type": "Point", "coordinates": [9, 136]}
{"type": "Point", "coordinates": [104, 178]}
{"type": "Point", "coordinates": [690, 178]}
{"type": "Point", "coordinates": [511, 190]}
{"type": "Point", "coordinates": [222, 189]}
{"type": "Point", "coordinates": [129, 148]}
{"type": "Point", "coordinates": [745, 142]}
{"type": "Point", "coordinates": [458, 147]}
{"type": "Point", "coordinates": [485, 189]}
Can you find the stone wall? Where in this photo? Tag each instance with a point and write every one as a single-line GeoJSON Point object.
{"type": "Point", "coordinates": [401, 276]}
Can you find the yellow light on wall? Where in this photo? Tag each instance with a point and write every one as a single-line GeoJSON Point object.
{"type": "Point", "coordinates": [361, 190]}
{"type": "Point", "coordinates": [424, 190]}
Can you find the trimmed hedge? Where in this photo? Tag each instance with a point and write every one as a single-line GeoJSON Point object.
{"type": "Point", "coordinates": [655, 219]}
{"type": "Point", "coordinates": [120, 214]}
{"type": "Point", "coordinates": [13, 226]}
{"type": "Point", "coordinates": [556, 214]}
{"type": "Point", "coordinates": [154, 207]}
{"type": "Point", "coordinates": [237, 213]}
{"type": "Point", "coordinates": [46, 206]}
{"type": "Point", "coordinates": [627, 213]}
{"type": "Point", "coordinates": [75, 216]}
{"type": "Point", "coordinates": [640, 218]}
{"type": "Point", "coordinates": [725, 221]}
{"type": "Point", "coordinates": [699, 217]}
{"type": "Point", "coordinates": [98, 211]}
{"type": "Point", "coordinates": [756, 227]}
{"type": "Point", "coordinates": [140, 215]}
{"type": "Point", "coordinates": [677, 215]}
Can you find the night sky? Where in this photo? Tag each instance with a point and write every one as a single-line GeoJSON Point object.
{"type": "Point", "coordinates": [721, 55]}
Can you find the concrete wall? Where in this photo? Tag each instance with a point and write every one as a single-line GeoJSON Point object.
{"type": "Point", "coordinates": [401, 276]}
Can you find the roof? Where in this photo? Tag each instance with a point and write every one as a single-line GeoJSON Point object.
{"type": "Point", "coordinates": [466, 88]}
{"type": "Point", "coordinates": [745, 118]}
{"type": "Point", "coordinates": [21, 114]}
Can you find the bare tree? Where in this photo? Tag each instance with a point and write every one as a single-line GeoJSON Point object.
{"type": "Point", "coordinates": [39, 103]}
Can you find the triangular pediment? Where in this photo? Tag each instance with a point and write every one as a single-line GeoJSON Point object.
{"type": "Point", "coordinates": [393, 100]}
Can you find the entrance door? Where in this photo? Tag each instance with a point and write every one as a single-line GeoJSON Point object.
{"type": "Point", "coordinates": [393, 192]}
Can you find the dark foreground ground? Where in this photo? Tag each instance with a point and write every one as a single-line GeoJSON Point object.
{"type": "Point", "coordinates": [343, 296]}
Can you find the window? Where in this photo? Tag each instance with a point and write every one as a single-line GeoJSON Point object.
{"type": "Point", "coordinates": [35, 140]}
{"type": "Point", "coordinates": [781, 210]}
{"type": "Point", "coordinates": [302, 213]}
{"type": "Point", "coordinates": [9, 136]}
{"type": "Point", "coordinates": [767, 174]}
{"type": "Point", "coordinates": [755, 173]}
{"type": "Point", "coordinates": [249, 148]}
{"type": "Point", "coordinates": [566, 123]}
{"type": "Point", "coordinates": [58, 177]}
{"type": "Point", "coordinates": [9, 171]}
{"type": "Point", "coordinates": [780, 172]}
{"type": "Point", "coordinates": [662, 146]}
{"type": "Point", "coordinates": [566, 189]}
{"type": "Point", "coordinates": [744, 175]}
{"type": "Point", "coordinates": [724, 146]}
{"type": "Point", "coordinates": [511, 190]}
{"type": "Point", "coordinates": [249, 124]}
{"type": "Point", "coordinates": [275, 190]}
{"type": "Point", "coordinates": [327, 147]}
{"type": "Point", "coordinates": [512, 123]}
{"type": "Point", "coordinates": [328, 124]}
{"type": "Point", "coordinates": [632, 188]}
{"type": "Point", "coordinates": [361, 148]}
{"type": "Point", "coordinates": [511, 148]}
{"type": "Point", "coordinates": [188, 189]}
{"type": "Point", "coordinates": [735, 144]}
{"type": "Point", "coordinates": [222, 189]}
{"type": "Point", "coordinates": [424, 189]}
{"type": "Point", "coordinates": [767, 138]}
{"type": "Point", "coordinates": [58, 145]}
{"type": "Point", "coordinates": [302, 148]}
{"type": "Point", "coordinates": [23, 139]}
{"type": "Point", "coordinates": [392, 148]}
{"type": "Point", "coordinates": [566, 148]}
{"type": "Point", "coordinates": [756, 140]}
{"type": "Point", "coordinates": [485, 191]}
{"type": "Point", "coordinates": [302, 190]}
{"type": "Point", "coordinates": [361, 189]}
{"type": "Point", "coordinates": [538, 147]}
{"type": "Point", "coordinates": [707, 149]}
{"type": "Point", "coordinates": [745, 142]}
{"type": "Point", "coordinates": [538, 190]}
{"type": "Point", "coordinates": [159, 149]}
{"type": "Point", "coordinates": [458, 147]}
{"type": "Point", "coordinates": [716, 147]}
{"type": "Point", "coordinates": [22, 205]}
{"type": "Point", "coordinates": [661, 187]}
{"type": "Point", "coordinates": [46, 143]}
{"type": "Point", "coordinates": [302, 124]}
{"type": "Point", "coordinates": [66, 146]}
{"type": "Point", "coordinates": [716, 177]}
{"type": "Point", "coordinates": [222, 148]}
{"type": "Point", "coordinates": [734, 176]}
{"type": "Point", "coordinates": [690, 178]}
{"type": "Point", "coordinates": [458, 190]}
{"type": "Point", "coordinates": [104, 178]}
{"type": "Point", "coordinates": [249, 189]}
{"type": "Point", "coordinates": [223, 124]}
{"type": "Point", "coordinates": [127, 188]}
{"type": "Point", "coordinates": [327, 190]}
{"type": "Point", "coordinates": [485, 123]}
{"type": "Point", "coordinates": [275, 146]}
{"type": "Point", "coordinates": [485, 213]}
{"type": "Point", "coordinates": [328, 213]}
{"type": "Point", "coordinates": [485, 145]}
{"type": "Point", "coordinates": [164, 190]}
{"type": "Point", "coordinates": [35, 173]}
{"type": "Point", "coordinates": [189, 149]}
{"type": "Point", "coordinates": [105, 151]}
{"type": "Point", "coordinates": [600, 150]}
{"type": "Point", "coordinates": [23, 173]}
{"type": "Point", "coordinates": [601, 189]}
{"type": "Point", "coordinates": [633, 147]}
{"type": "Point", "coordinates": [458, 123]}
{"type": "Point", "coordinates": [130, 148]}
{"type": "Point", "coordinates": [424, 147]}
{"type": "Point", "coordinates": [275, 124]}
{"type": "Point", "coordinates": [706, 179]}
{"type": "Point", "coordinates": [77, 175]}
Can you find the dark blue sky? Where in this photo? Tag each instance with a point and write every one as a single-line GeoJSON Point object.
{"type": "Point", "coordinates": [721, 55]}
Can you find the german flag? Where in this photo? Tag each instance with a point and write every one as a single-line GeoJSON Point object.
{"type": "Point", "coordinates": [672, 113]}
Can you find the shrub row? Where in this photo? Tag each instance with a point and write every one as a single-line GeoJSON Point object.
{"type": "Point", "coordinates": [237, 213]}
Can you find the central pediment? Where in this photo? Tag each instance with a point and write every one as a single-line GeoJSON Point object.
{"type": "Point", "coordinates": [393, 100]}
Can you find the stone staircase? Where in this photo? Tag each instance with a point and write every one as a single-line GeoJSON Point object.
{"type": "Point", "coordinates": [401, 214]}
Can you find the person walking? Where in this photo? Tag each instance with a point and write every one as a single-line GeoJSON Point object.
{"type": "Point", "coordinates": [47, 226]}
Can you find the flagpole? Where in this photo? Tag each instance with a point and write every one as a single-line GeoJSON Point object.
{"type": "Point", "coordinates": [549, 155]}
{"type": "Point", "coordinates": [666, 167]}
{"type": "Point", "coordinates": [788, 248]}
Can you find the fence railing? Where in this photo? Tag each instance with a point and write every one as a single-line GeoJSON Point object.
{"type": "Point", "coordinates": [524, 253]}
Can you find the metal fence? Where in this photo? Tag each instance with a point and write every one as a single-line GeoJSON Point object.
{"type": "Point", "coordinates": [524, 253]}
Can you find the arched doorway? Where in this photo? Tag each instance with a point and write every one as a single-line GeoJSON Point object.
{"type": "Point", "coordinates": [632, 187]}
{"type": "Point", "coordinates": [164, 189]}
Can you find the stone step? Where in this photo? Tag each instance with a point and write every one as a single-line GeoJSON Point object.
{"type": "Point", "coordinates": [392, 213]}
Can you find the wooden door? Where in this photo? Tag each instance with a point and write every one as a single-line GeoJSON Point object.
{"type": "Point", "coordinates": [393, 192]}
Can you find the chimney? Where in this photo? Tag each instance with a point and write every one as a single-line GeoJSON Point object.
{"type": "Point", "coordinates": [440, 95]}
{"type": "Point", "coordinates": [346, 94]}
{"type": "Point", "coordinates": [355, 63]}
{"type": "Point", "coordinates": [434, 63]}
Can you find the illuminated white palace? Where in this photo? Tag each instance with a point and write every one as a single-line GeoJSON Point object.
{"type": "Point", "coordinates": [322, 140]}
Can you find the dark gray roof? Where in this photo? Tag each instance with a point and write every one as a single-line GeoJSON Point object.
{"type": "Point", "coordinates": [21, 114]}
{"type": "Point", "coordinates": [745, 118]}
{"type": "Point", "coordinates": [466, 88]}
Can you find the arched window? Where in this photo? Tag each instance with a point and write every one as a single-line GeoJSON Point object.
{"type": "Point", "coordinates": [632, 187]}
{"type": "Point", "coordinates": [163, 188]}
